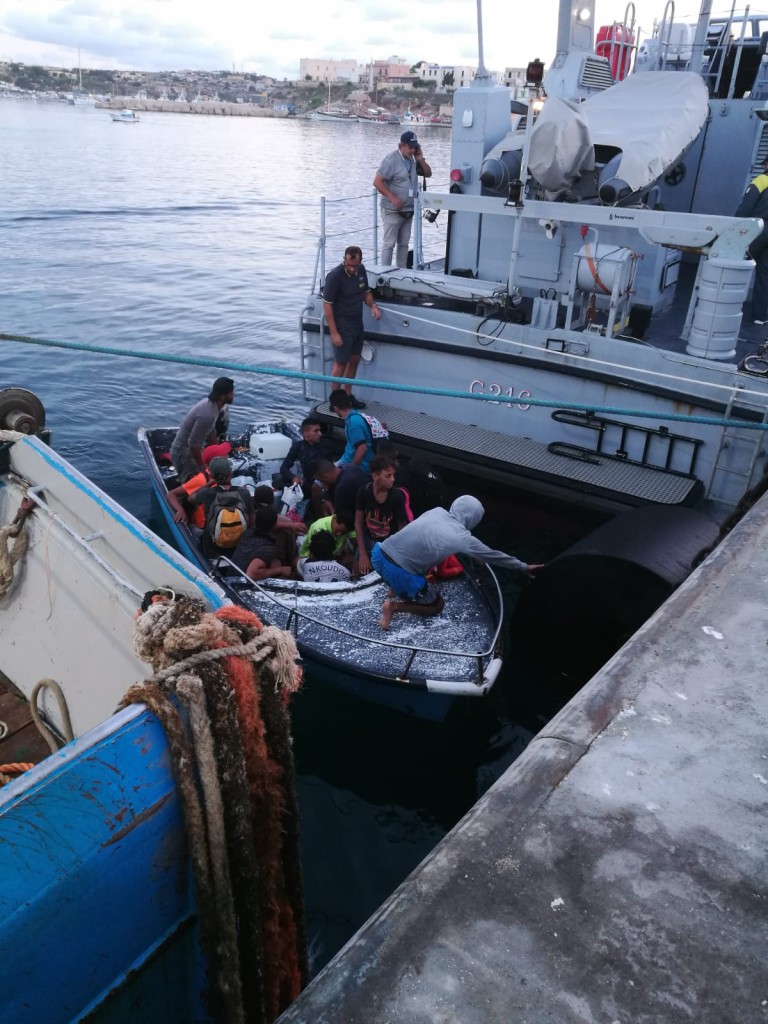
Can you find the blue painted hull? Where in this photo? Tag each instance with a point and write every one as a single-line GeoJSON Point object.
{"type": "Point", "coordinates": [97, 902]}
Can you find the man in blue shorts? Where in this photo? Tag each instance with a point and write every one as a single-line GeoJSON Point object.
{"type": "Point", "coordinates": [404, 559]}
{"type": "Point", "coordinates": [346, 289]}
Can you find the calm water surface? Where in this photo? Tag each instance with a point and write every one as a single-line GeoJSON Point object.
{"type": "Point", "coordinates": [196, 236]}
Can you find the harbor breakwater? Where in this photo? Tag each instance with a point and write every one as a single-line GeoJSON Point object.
{"type": "Point", "coordinates": [209, 107]}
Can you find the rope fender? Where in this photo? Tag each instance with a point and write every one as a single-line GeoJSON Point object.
{"type": "Point", "coordinates": [235, 776]}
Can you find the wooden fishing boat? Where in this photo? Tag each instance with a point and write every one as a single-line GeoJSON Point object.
{"type": "Point", "coordinates": [101, 913]}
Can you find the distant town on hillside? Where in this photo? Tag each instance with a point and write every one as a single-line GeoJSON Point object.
{"type": "Point", "coordinates": [389, 83]}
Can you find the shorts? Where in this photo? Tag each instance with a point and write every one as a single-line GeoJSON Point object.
{"type": "Point", "coordinates": [408, 586]}
{"type": "Point", "coordinates": [352, 336]}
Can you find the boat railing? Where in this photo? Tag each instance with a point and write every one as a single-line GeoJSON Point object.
{"type": "Point", "coordinates": [341, 219]}
{"type": "Point", "coordinates": [358, 216]}
{"type": "Point", "coordinates": [489, 587]}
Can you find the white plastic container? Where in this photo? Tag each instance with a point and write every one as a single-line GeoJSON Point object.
{"type": "Point", "coordinates": [270, 446]}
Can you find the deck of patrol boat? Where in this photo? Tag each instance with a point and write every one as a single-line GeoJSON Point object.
{"type": "Point", "coordinates": [617, 871]}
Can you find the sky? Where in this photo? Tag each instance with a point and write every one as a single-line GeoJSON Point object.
{"type": "Point", "coordinates": [270, 38]}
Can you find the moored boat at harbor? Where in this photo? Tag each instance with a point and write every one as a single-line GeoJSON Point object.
{"type": "Point", "coordinates": [125, 116]}
{"type": "Point", "coordinates": [420, 666]}
{"type": "Point", "coordinates": [106, 827]}
{"type": "Point", "coordinates": [584, 329]}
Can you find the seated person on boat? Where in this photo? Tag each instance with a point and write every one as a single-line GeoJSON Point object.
{"type": "Point", "coordinates": [178, 497]}
{"type": "Point", "coordinates": [359, 447]}
{"type": "Point", "coordinates": [305, 454]}
{"type": "Point", "coordinates": [258, 553]}
{"type": "Point", "coordinates": [341, 484]}
{"type": "Point", "coordinates": [380, 510]}
{"type": "Point", "coordinates": [404, 559]}
{"type": "Point", "coordinates": [286, 530]}
{"type": "Point", "coordinates": [213, 497]}
{"type": "Point", "coordinates": [341, 527]}
{"type": "Point", "coordinates": [320, 566]}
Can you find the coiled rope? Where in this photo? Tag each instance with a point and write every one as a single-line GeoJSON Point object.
{"type": "Point", "coordinates": [235, 678]}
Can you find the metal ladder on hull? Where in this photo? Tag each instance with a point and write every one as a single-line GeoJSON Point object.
{"type": "Point", "coordinates": [753, 442]}
{"type": "Point", "coordinates": [312, 348]}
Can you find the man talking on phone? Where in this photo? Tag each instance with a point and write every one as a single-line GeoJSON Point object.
{"type": "Point", "coordinates": [397, 180]}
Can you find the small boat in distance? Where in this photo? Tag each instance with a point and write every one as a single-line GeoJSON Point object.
{"type": "Point", "coordinates": [125, 116]}
{"type": "Point", "coordinates": [421, 666]}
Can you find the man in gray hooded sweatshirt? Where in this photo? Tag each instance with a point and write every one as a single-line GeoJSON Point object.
{"type": "Point", "coordinates": [404, 559]}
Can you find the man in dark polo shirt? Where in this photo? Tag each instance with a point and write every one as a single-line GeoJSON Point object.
{"type": "Point", "coordinates": [346, 289]}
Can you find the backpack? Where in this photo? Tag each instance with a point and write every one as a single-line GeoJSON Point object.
{"type": "Point", "coordinates": [378, 431]}
{"type": "Point", "coordinates": [226, 520]}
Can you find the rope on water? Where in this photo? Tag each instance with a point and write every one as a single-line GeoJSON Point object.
{"type": "Point", "coordinates": [236, 678]}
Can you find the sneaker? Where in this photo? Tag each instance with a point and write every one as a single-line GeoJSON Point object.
{"type": "Point", "coordinates": [761, 323]}
{"type": "Point", "coordinates": [356, 403]}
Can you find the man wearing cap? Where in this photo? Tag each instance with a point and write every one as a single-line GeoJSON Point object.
{"type": "Point", "coordinates": [397, 179]}
{"type": "Point", "coordinates": [754, 203]}
{"type": "Point", "coordinates": [220, 470]}
{"type": "Point", "coordinates": [178, 496]}
{"type": "Point", "coordinates": [198, 428]}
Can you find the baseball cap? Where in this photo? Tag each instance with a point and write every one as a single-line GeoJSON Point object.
{"type": "Point", "coordinates": [410, 138]}
{"type": "Point", "coordinates": [216, 451]}
{"type": "Point", "coordinates": [220, 468]}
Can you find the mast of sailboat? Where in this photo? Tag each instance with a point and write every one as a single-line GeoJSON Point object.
{"type": "Point", "coordinates": [79, 70]}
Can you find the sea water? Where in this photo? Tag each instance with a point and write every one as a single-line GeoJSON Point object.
{"type": "Point", "coordinates": [195, 237]}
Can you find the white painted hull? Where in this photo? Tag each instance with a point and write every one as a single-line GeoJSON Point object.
{"type": "Point", "coordinates": [70, 610]}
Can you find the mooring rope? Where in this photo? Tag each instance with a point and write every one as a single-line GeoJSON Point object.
{"type": "Point", "coordinates": [501, 399]}
{"type": "Point", "coordinates": [235, 677]}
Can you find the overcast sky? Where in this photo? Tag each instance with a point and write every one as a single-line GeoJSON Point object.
{"type": "Point", "coordinates": [269, 37]}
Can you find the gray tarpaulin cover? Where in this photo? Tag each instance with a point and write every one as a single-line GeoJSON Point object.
{"type": "Point", "coordinates": [650, 119]}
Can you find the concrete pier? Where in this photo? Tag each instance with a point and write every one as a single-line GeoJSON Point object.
{"type": "Point", "coordinates": [618, 872]}
{"type": "Point", "coordinates": [205, 107]}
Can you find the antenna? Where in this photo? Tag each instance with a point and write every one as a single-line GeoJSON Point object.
{"type": "Point", "coordinates": [482, 73]}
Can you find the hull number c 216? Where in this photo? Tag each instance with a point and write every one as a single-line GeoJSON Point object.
{"type": "Point", "coordinates": [479, 387]}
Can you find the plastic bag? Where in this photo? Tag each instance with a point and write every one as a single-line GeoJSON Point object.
{"type": "Point", "coordinates": [292, 497]}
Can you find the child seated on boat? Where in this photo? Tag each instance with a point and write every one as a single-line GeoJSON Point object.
{"type": "Point", "coordinates": [258, 553]}
{"type": "Point", "coordinates": [320, 566]}
{"type": "Point", "coordinates": [341, 526]}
